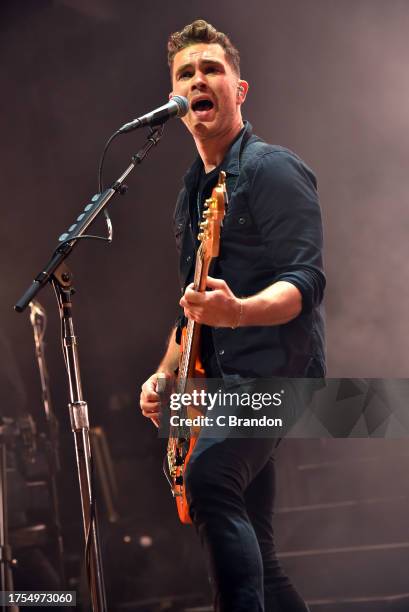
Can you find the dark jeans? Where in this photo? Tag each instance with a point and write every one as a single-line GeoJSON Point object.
{"type": "Point", "coordinates": [230, 487]}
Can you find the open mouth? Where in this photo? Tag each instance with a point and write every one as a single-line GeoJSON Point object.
{"type": "Point", "coordinates": [202, 105]}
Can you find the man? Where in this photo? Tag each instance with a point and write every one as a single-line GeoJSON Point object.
{"type": "Point", "coordinates": [260, 313]}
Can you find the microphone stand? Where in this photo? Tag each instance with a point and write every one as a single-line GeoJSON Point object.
{"type": "Point", "coordinates": [38, 321]}
{"type": "Point", "coordinates": [62, 284]}
{"type": "Point", "coordinates": [57, 273]}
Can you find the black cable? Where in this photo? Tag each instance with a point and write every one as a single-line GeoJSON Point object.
{"type": "Point", "coordinates": [102, 159]}
{"type": "Point", "coordinates": [86, 236]}
{"type": "Point", "coordinates": [101, 183]}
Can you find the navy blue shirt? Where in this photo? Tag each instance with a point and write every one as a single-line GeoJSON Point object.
{"type": "Point", "coordinates": [272, 231]}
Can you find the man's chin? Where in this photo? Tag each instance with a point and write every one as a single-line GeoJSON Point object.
{"type": "Point", "coordinates": [203, 128]}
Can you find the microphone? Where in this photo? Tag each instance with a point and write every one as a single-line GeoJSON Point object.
{"type": "Point", "coordinates": [176, 107]}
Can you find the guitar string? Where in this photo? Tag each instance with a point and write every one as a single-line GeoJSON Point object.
{"type": "Point", "coordinates": [186, 357]}
{"type": "Point", "coordinates": [184, 366]}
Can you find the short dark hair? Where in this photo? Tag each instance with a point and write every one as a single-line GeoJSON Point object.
{"type": "Point", "coordinates": [202, 32]}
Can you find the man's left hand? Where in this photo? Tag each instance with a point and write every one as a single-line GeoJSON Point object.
{"type": "Point", "coordinates": [217, 308]}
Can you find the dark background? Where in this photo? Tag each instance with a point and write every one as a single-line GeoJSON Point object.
{"type": "Point", "coordinates": [328, 79]}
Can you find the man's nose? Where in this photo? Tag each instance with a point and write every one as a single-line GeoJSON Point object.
{"type": "Point", "coordinates": [199, 81]}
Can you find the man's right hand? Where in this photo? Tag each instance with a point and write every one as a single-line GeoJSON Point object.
{"type": "Point", "coordinates": [150, 400]}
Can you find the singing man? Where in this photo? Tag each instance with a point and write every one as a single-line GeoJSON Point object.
{"type": "Point", "coordinates": [260, 315]}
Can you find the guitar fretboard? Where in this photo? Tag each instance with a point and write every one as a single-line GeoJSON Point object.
{"type": "Point", "coordinates": [188, 356]}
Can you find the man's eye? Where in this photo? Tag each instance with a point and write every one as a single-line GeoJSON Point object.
{"type": "Point", "coordinates": [185, 75]}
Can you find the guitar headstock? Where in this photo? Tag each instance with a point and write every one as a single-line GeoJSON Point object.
{"type": "Point", "coordinates": [213, 216]}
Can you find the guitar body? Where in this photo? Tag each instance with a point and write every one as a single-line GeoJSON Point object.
{"type": "Point", "coordinates": [182, 440]}
{"type": "Point", "coordinates": [179, 490]}
{"type": "Point", "coordinates": [182, 505]}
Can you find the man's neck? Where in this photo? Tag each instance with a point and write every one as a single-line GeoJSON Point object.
{"type": "Point", "coordinates": [212, 150]}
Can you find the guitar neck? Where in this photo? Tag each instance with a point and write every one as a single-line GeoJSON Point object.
{"type": "Point", "coordinates": [189, 354]}
{"type": "Point", "coordinates": [192, 338]}
{"type": "Point", "coordinates": [207, 251]}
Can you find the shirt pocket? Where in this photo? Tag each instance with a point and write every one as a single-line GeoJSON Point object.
{"type": "Point", "coordinates": [238, 227]}
{"type": "Point", "coordinates": [237, 220]}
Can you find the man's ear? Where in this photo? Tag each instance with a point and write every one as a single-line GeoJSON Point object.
{"type": "Point", "coordinates": [242, 89]}
{"type": "Point", "coordinates": [171, 95]}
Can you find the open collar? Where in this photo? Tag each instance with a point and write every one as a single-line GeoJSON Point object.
{"type": "Point", "coordinates": [230, 163]}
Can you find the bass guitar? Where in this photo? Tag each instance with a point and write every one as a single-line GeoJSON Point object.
{"type": "Point", "coordinates": [182, 439]}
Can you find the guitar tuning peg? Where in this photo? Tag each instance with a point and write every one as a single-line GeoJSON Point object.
{"type": "Point", "coordinates": [204, 224]}
{"type": "Point", "coordinates": [208, 202]}
{"type": "Point", "coordinates": [200, 236]}
{"type": "Point", "coordinates": [206, 213]}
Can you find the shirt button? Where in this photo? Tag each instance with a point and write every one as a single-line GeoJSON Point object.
{"type": "Point", "coordinates": [188, 258]}
{"type": "Point", "coordinates": [221, 352]}
{"type": "Point", "coordinates": [242, 220]}
{"type": "Point", "coordinates": [180, 225]}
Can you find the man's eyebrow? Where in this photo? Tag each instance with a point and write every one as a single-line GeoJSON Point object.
{"type": "Point", "coordinates": [214, 62]}
{"type": "Point", "coordinates": [182, 68]}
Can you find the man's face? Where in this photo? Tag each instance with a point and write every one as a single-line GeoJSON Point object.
{"type": "Point", "coordinates": [203, 75]}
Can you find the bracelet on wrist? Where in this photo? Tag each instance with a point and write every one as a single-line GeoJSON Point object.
{"type": "Point", "coordinates": [237, 324]}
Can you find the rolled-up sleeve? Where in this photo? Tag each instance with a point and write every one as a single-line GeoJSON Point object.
{"type": "Point", "coordinates": [284, 205]}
